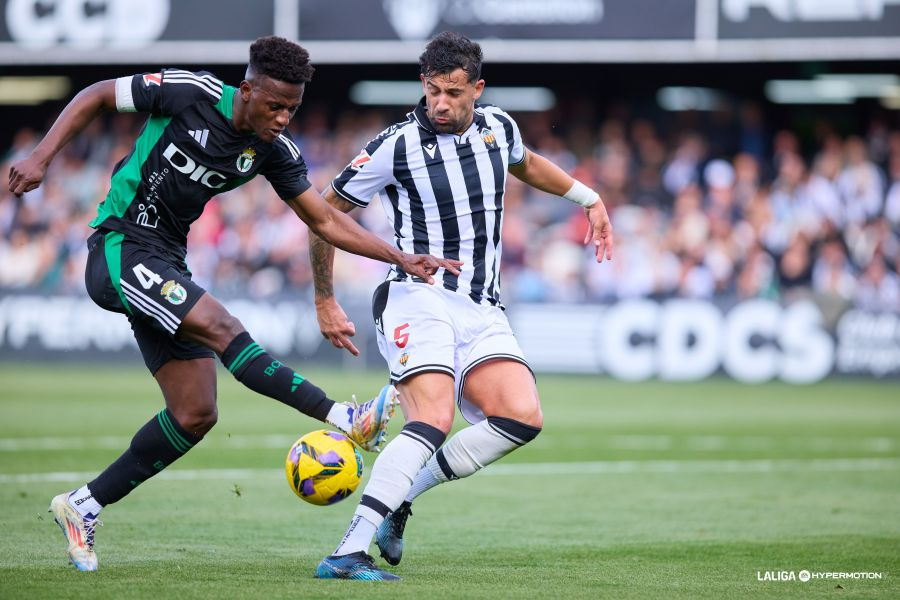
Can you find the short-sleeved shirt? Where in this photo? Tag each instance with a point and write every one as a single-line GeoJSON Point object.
{"type": "Point", "coordinates": [187, 152]}
{"type": "Point", "coordinates": [443, 193]}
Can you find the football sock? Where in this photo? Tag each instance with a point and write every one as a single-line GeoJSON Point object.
{"type": "Point", "coordinates": [84, 502]}
{"type": "Point", "coordinates": [471, 449]}
{"type": "Point", "coordinates": [392, 475]}
{"type": "Point", "coordinates": [341, 416]}
{"type": "Point", "coordinates": [156, 445]}
{"type": "Point", "coordinates": [359, 535]}
{"type": "Point", "coordinates": [258, 370]}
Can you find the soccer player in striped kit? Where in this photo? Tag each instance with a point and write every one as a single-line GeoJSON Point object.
{"type": "Point", "coordinates": [441, 176]}
{"type": "Point", "coordinates": [202, 138]}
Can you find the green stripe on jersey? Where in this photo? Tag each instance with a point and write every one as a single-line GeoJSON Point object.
{"type": "Point", "coordinates": [112, 247]}
{"type": "Point", "coordinates": [125, 181]}
{"type": "Point", "coordinates": [225, 105]}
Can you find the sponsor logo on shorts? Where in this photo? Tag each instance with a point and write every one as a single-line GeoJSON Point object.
{"type": "Point", "coordinates": [404, 358]}
{"type": "Point", "coordinates": [173, 292]}
{"type": "Point", "coordinates": [245, 160]}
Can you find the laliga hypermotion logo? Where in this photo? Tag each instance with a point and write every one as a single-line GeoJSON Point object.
{"type": "Point", "coordinates": [414, 19]}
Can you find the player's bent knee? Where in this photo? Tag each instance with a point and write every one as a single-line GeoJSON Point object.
{"type": "Point", "coordinates": [520, 432]}
{"type": "Point", "coordinates": [225, 326]}
{"type": "Point", "coordinates": [535, 418]}
{"type": "Point", "coordinates": [198, 421]}
{"type": "Point", "coordinates": [443, 422]}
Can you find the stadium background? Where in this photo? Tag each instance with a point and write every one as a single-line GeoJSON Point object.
{"type": "Point", "coordinates": [748, 150]}
{"type": "Point", "coordinates": [752, 220]}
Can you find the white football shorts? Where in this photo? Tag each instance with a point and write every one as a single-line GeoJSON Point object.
{"type": "Point", "coordinates": [422, 328]}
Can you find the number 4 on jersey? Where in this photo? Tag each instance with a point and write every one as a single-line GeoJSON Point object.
{"type": "Point", "coordinates": [145, 276]}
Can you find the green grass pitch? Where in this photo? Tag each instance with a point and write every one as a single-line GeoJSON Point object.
{"type": "Point", "coordinates": [633, 490]}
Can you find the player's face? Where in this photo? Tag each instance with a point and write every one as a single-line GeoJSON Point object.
{"type": "Point", "coordinates": [450, 98]}
{"type": "Point", "coordinates": [270, 105]}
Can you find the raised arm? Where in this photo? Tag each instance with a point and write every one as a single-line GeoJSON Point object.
{"type": "Point", "coordinates": [28, 173]}
{"type": "Point", "coordinates": [540, 173]}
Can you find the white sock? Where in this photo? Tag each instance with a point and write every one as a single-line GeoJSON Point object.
{"type": "Point", "coordinates": [341, 416]}
{"type": "Point", "coordinates": [424, 481]}
{"type": "Point", "coordinates": [83, 501]}
{"type": "Point", "coordinates": [470, 450]}
{"type": "Point", "coordinates": [392, 475]}
{"type": "Point", "coordinates": [358, 537]}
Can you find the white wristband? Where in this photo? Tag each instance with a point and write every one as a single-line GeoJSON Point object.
{"type": "Point", "coordinates": [582, 194]}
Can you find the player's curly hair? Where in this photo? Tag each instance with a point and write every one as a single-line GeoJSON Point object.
{"type": "Point", "coordinates": [280, 59]}
{"type": "Point", "coordinates": [448, 51]}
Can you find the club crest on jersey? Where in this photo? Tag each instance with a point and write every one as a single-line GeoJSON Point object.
{"type": "Point", "coordinates": [488, 136]}
{"type": "Point", "coordinates": [404, 358]}
{"type": "Point", "coordinates": [173, 292]}
{"type": "Point", "coordinates": [152, 79]}
{"type": "Point", "coordinates": [362, 158]}
{"type": "Point", "coordinates": [245, 160]}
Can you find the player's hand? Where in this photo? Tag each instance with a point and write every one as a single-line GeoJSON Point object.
{"type": "Point", "coordinates": [26, 175]}
{"type": "Point", "coordinates": [335, 326]}
{"type": "Point", "coordinates": [600, 230]}
{"type": "Point", "coordinates": [424, 266]}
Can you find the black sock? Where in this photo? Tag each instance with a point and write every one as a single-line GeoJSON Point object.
{"type": "Point", "coordinates": [156, 445]}
{"type": "Point", "coordinates": [255, 368]}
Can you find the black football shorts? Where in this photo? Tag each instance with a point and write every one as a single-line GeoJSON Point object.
{"type": "Point", "coordinates": [154, 292]}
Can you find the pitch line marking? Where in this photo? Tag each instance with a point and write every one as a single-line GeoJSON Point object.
{"type": "Point", "coordinates": [609, 467]}
{"type": "Point", "coordinates": [631, 442]}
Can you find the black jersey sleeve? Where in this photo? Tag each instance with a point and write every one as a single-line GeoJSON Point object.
{"type": "Point", "coordinates": [166, 92]}
{"type": "Point", "coordinates": [285, 169]}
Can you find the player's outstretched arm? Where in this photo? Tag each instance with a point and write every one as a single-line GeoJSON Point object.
{"type": "Point", "coordinates": [28, 173]}
{"type": "Point", "coordinates": [333, 321]}
{"type": "Point", "coordinates": [338, 229]}
{"type": "Point", "coordinates": [538, 172]}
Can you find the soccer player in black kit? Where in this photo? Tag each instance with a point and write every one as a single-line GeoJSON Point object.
{"type": "Point", "coordinates": [202, 138]}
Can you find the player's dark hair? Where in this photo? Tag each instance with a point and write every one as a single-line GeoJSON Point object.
{"type": "Point", "coordinates": [449, 51]}
{"type": "Point", "coordinates": [280, 59]}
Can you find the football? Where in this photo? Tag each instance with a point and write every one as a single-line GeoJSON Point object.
{"type": "Point", "coordinates": [323, 467]}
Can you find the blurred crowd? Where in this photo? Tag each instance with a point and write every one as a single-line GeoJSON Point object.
{"type": "Point", "coordinates": [715, 207]}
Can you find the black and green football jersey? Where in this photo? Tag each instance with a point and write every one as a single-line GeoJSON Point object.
{"type": "Point", "coordinates": [187, 152]}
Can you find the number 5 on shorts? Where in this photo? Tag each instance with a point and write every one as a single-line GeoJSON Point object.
{"type": "Point", "coordinates": [145, 276]}
{"type": "Point", "coordinates": [401, 338]}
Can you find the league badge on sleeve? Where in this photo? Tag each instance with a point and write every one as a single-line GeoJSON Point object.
{"type": "Point", "coordinates": [152, 79]}
{"type": "Point", "coordinates": [361, 159]}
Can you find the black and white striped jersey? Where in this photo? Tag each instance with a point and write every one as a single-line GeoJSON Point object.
{"type": "Point", "coordinates": [443, 193]}
{"type": "Point", "coordinates": [187, 152]}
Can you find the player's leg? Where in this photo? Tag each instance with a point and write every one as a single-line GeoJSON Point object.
{"type": "Point", "coordinates": [504, 390]}
{"type": "Point", "coordinates": [186, 375]}
{"type": "Point", "coordinates": [427, 402]}
{"type": "Point", "coordinates": [496, 393]}
{"type": "Point", "coordinates": [417, 340]}
{"type": "Point", "coordinates": [112, 276]}
{"type": "Point", "coordinates": [210, 324]}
